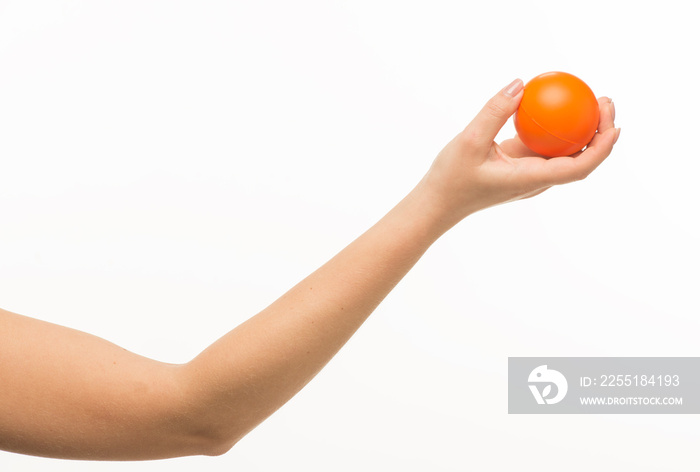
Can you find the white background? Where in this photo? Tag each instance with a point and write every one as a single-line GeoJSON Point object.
{"type": "Point", "coordinates": [169, 168]}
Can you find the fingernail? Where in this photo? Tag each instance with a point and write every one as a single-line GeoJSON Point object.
{"type": "Point", "coordinates": [617, 135]}
{"type": "Point", "coordinates": [513, 88]}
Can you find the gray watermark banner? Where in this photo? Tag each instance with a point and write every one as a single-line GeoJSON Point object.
{"type": "Point", "coordinates": [551, 385]}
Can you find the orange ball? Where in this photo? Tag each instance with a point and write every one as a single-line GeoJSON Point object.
{"type": "Point", "coordinates": [558, 114]}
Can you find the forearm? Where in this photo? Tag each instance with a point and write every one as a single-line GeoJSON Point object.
{"type": "Point", "coordinates": [254, 369]}
{"type": "Point", "coordinates": [73, 395]}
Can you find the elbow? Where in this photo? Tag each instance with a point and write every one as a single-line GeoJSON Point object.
{"type": "Point", "coordinates": [209, 425]}
{"type": "Point", "coordinates": [218, 447]}
{"type": "Point", "coordinates": [215, 443]}
{"type": "Point", "coordinates": [210, 437]}
{"type": "Point", "coordinates": [208, 440]}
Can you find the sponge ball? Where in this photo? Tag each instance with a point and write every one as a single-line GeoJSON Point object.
{"type": "Point", "coordinates": [558, 114]}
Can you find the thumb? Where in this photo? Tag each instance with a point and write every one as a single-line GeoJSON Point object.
{"type": "Point", "coordinates": [489, 121]}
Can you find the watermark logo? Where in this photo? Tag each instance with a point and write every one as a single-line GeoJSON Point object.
{"type": "Point", "coordinates": [542, 376]}
{"type": "Point", "coordinates": [603, 385]}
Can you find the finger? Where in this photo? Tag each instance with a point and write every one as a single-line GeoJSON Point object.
{"type": "Point", "coordinates": [607, 119]}
{"type": "Point", "coordinates": [562, 170]}
{"type": "Point", "coordinates": [607, 114]}
{"type": "Point", "coordinates": [482, 130]}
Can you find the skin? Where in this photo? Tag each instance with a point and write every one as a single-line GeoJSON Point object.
{"type": "Point", "coordinates": [68, 394]}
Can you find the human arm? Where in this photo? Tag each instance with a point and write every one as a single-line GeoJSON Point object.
{"type": "Point", "coordinates": [69, 394]}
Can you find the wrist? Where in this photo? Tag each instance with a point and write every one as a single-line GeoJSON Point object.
{"type": "Point", "coordinates": [437, 209]}
{"type": "Point", "coordinates": [429, 211]}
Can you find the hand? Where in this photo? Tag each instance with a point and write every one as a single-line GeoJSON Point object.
{"type": "Point", "coordinates": [473, 172]}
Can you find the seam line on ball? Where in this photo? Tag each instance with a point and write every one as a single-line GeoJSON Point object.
{"type": "Point", "coordinates": [522, 110]}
